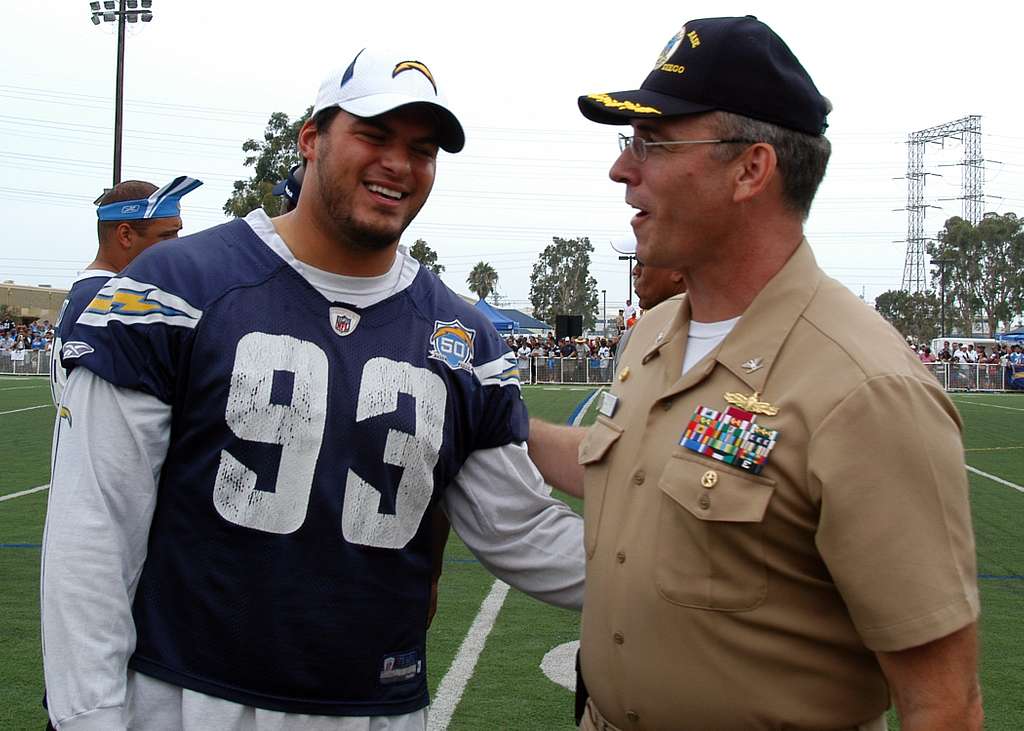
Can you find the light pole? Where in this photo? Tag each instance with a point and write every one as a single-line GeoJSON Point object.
{"type": "Point", "coordinates": [604, 311]}
{"type": "Point", "coordinates": [942, 264]}
{"type": "Point", "coordinates": [120, 12]}
{"type": "Point", "coordinates": [629, 276]}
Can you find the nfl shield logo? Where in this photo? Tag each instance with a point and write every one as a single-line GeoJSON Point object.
{"type": "Point", "coordinates": [343, 320]}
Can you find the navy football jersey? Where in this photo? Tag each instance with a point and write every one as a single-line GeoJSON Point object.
{"type": "Point", "coordinates": [288, 564]}
{"type": "Point", "coordinates": [83, 289]}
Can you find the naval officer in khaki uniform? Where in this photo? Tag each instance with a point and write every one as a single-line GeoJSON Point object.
{"type": "Point", "coordinates": [777, 529]}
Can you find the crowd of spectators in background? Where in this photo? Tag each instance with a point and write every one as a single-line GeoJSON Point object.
{"type": "Point", "coordinates": [533, 346]}
{"type": "Point", "coordinates": [35, 336]}
{"type": "Point", "coordinates": [970, 366]}
{"type": "Point", "coordinates": [1000, 354]}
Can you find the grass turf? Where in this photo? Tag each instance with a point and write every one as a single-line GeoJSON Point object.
{"type": "Point", "coordinates": [508, 690]}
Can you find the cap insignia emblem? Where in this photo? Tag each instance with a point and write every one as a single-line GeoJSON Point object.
{"type": "Point", "coordinates": [670, 48]}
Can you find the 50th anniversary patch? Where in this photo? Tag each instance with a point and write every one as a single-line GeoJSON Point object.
{"type": "Point", "coordinates": [452, 344]}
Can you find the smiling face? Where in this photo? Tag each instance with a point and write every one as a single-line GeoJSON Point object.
{"type": "Point", "coordinates": [373, 175]}
{"type": "Point", "coordinates": [681, 193]}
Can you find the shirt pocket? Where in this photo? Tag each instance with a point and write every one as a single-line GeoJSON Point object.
{"type": "Point", "coordinates": [709, 549]}
{"type": "Point", "coordinates": [593, 455]}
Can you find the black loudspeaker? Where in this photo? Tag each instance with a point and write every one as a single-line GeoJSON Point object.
{"type": "Point", "coordinates": [568, 326]}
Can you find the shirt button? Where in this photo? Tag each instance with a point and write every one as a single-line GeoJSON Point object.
{"type": "Point", "coordinates": [620, 557]}
{"type": "Point", "coordinates": [709, 479]}
{"type": "Point", "coordinates": [638, 477]}
{"type": "Point", "coordinates": [619, 639]}
{"type": "Point", "coordinates": [705, 501]}
{"type": "Point", "coordinates": [632, 716]}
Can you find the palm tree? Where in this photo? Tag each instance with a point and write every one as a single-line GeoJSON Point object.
{"type": "Point", "coordinates": [482, 280]}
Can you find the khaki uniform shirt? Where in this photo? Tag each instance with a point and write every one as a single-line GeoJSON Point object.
{"type": "Point", "coordinates": [720, 599]}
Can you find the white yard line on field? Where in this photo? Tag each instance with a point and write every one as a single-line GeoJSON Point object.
{"type": "Point", "coordinates": [30, 408]}
{"type": "Point", "coordinates": [982, 403]}
{"type": "Point", "coordinates": [23, 492]}
{"type": "Point", "coordinates": [19, 388]}
{"type": "Point", "coordinates": [586, 407]}
{"type": "Point", "coordinates": [1000, 480]}
{"type": "Point", "coordinates": [452, 686]}
{"type": "Point", "coordinates": [454, 682]}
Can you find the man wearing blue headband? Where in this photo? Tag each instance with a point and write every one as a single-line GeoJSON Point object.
{"type": "Point", "coordinates": [133, 215]}
{"type": "Point", "coordinates": [260, 419]}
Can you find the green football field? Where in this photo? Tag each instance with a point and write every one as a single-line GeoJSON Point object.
{"type": "Point", "coordinates": [486, 648]}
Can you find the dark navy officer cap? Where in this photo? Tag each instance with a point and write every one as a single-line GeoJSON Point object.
{"type": "Point", "coordinates": [736, 65]}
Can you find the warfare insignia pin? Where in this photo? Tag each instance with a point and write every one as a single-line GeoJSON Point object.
{"type": "Point", "coordinates": [344, 321]}
{"type": "Point", "coordinates": [751, 403]}
{"type": "Point", "coordinates": [452, 344]}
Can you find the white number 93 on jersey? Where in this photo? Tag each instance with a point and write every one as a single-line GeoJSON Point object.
{"type": "Point", "coordinates": [299, 426]}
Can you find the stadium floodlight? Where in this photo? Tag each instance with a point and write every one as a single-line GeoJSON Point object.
{"type": "Point", "coordinates": [121, 12]}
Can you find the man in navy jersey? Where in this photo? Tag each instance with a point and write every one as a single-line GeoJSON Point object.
{"type": "Point", "coordinates": [257, 421]}
{"type": "Point", "coordinates": [133, 215]}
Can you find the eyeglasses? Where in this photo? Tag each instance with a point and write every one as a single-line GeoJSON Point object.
{"type": "Point", "coordinates": [638, 145]}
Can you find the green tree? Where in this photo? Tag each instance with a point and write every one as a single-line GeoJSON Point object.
{"type": "Point", "coordinates": [421, 252]}
{"type": "Point", "coordinates": [482, 280]}
{"type": "Point", "coordinates": [561, 283]}
{"type": "Point", "coordinates": [914, 315]}
{"type": "Point", "coordinates": [985, 276]}
{"type": "Point", "coordinates": [270, 159]}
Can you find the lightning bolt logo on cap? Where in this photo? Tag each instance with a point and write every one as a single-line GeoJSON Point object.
{"type": "Point", "coordinates": [415, 66]}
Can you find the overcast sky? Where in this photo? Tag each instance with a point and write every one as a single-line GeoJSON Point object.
{"type": "Point", "coordinates": [204, 76]}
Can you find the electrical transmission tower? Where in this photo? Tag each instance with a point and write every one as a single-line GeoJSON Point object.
{"type": "Point", "coordinates": [968, 131]}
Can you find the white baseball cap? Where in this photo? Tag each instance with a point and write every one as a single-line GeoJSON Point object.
{"type": "Point", "coordinates": [378, 81]}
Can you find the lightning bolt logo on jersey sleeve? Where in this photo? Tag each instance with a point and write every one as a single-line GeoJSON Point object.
{"type": "Point", "coordinates": [131, 302]}
{"type": "Point", "coordinates": [130, 333]}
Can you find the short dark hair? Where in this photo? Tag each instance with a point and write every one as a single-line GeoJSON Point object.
{"type": "Point", "coordinates": [802, 158]}
{"type": "Point", "coordinates": [322, 120]}
{"type": "Point", "coordinates": [126, 190]}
